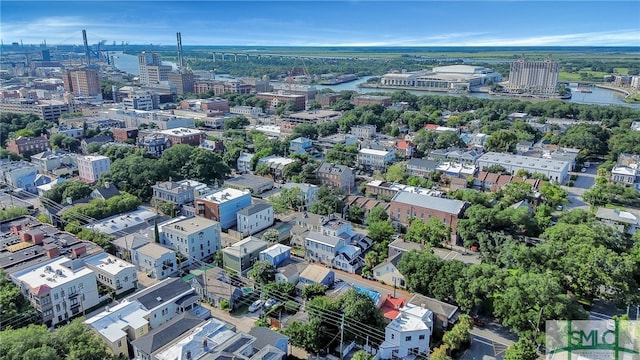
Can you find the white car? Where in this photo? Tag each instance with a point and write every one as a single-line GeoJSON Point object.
{"type": "Point", "coordinates": [270, 303]}
{"type": "Point", "coordinates": [584, 170]}
{"type": "Point", "coordinates": [255, 306]}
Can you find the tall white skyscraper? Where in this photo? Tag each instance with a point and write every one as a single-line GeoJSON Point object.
{"type": "Point", "coordinates": [535, 77]}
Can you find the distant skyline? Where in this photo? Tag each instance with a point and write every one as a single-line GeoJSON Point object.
{"type": "Point", "coordinates": [324, 23]}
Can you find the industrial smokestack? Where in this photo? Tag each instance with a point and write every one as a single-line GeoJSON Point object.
{"type": "Point", "coordinates": [86, 46]}
{"type": "Point", "coordinates": [179, 36]}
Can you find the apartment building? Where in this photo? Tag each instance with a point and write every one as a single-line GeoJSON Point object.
{"type": "Point", "coordinates": [375, 159]}
{"type": "Point", "coordinates": [223, 205]}
{"type": "Point", "coordinates": [114, 273]}
{"type": "Point", "coordinates": [82, 82]}
{"type": "Point", "coordinates": [176, 136]}
{"type": "Point", "coordinates": [25, 146]}
{"type": "Point", "coordinates": [194, 237]}
{"type": "Point", "coordinates": [407, 205]}
{"type": "Point", "coordinates": [58, 289]}
{"type": "Point", "coordinates": [48, 110]}
{"type": "Point", "coordinates": [91, 167]}
{"type": "Point", "coordinates": [240, 257]}
{"type": "Point", "coordinates": [364, 131]}
{"type": "Point", "coordinates": [254, 218]}
{"type": "Point", "coordinates": [339, 176]}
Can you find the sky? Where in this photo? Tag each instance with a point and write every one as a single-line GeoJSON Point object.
{"type": "Point", "coordinates": [324, 23]}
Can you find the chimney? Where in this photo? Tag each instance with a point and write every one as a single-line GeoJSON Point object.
{"type": "Point", "coordinates": [422, 305]}
{"type": "Point", "coordinates": [52, 252]}
{"type": "Point", "coordinates": [69, 201]}
{"type": "Point", "coordinates": [107, 184]}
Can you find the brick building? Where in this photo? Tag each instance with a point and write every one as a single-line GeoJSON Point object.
{"type": "Point", "coordinates": [407, 205]}
{"type": "Point", "coordinates": [28, 145]}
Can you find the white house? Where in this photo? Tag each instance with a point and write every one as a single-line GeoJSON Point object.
{"type": "Point", "coordinates": [244, 163]}
{"type": "Point", "coordinates": [375, 159]}
{"type": "Point", "coordinates": [58, 289]}
{"type": "Point", "coordinates": [166, 299]}
{"type": "Point", "coordinates": [112, 272]}
{"type": "Point", "coordinates": [408, 334]}
{"type": "Point", "coordinates": [254, 218]}
{"type": "Point", "coordinates": [194, 237]}
{"type": "Point", "coordinates": [91, 167]}
{"type": "Point", "coordinates": [155, 260]}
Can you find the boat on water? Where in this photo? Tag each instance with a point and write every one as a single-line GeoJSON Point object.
{"type": "Point", "coordinates": [584, 90]}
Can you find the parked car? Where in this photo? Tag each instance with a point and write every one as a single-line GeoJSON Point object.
{"type": "Point", "coordinates": [270, 303]}
{"type": "Point", "coordinates": [476, 321]}
{"type": "Point", "coordinates": [255, 306]}
{"type": "Point", "coordinates": [583, 170]}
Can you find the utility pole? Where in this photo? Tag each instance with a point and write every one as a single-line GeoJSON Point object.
{"type": "Point", "coordinates": [342, 337]}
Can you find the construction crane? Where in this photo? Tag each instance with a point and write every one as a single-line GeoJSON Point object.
{"type": "Point", "coordinates": [306, 70]}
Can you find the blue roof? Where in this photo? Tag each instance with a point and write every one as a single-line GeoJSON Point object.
{"type": "Point", "coordinates": [374, 295]}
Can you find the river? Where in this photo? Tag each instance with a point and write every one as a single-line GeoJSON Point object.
{"type": "Point", "coordinates": [598, 96]}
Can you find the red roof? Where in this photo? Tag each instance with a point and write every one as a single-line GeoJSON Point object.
{"type": "Point", "coordinates": [431, 127]}
{"type": "Point", "coordinates": [404, 144]}
{"type": "Point", "coordinates": [42, 289]}
{"type": "Point", "coordinates": [391, 307]}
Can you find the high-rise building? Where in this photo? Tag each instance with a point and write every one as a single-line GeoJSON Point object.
{"type": "Point", "coordinates": [535, 77]}
{"type": "Point", "coordinates": [151, 69]}
{"type": "Point", "coordinates": [82, 82]}
{"type": "Point", "coordinates": [183, 80]}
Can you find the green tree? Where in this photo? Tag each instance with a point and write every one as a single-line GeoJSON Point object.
{"type": "Point", "coordinates": [329, 201]}
{"type": "Point", "coordinates": [307, 335]}
{"type": "Point", "coordinates": [93, 148]}
{"type": "Point", "coordinates": [68, 189]}
{"type": "Point", "coordinates": [523, 349]}
{"type": "Point", "coordinates": [396, 173]}
{"type": "Point", "coordinates": [281, 290]}
{"type": "Point", "coordinates": [418, 269]}
{"type": "Point", "coordinates": [359, 308]}
{"type": "Point", "coordinates": [377, 213]}
{"type": "Point", "coordinates": [362, 355]}
{"type": "Point", "coordinates": [262, 272]}
{"type": "Point", "coordinates": [440, 353]}
{"type": "Point", "coordinates": [380, 231]}
{"type": "Point", "coordinates": [271, 236]}
{"type": "Point", "coordinates": [501, 140]}
{"type": "Point", "coordinates": [13, 212]}
{"type": "Point", "coordinates": [355, 214]}
{"type": "Point", "coordinates": [343, 155]}
{"type": "Point", "coordinates": [205, 166]}
{"type": "Point", "coordinates": [313, 290]}
{"type": "Point", "coordinates": [434, 232]}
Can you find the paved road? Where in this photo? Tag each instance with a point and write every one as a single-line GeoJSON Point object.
{"type": "Point", "coordinates": [484, 349]}
{"type": "Point", "coordinates": [458, 253]}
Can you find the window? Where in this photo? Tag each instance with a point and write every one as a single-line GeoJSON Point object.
{"type": "Point", "coordinates": [421, 337]}
{"type": "Point", "coordinates": [408, 338]}
{"type": "Point", "coordinates": [393, 336]}
{"type": "Point", "coordinates": [55, 296]}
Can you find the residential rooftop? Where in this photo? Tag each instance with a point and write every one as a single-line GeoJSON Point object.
{"type": "Point", "coordinates": [124, 223]}
{"type": "Point", "coordinates": [51, 274]}
{"type": "Point", "coordinates": [224, 195]}
{"type": "Point", "coordinates": [254, 209]}
{"type": "Point", "coordinates": [247, 245]}
{"type": "Point", "coordinates": [430, 202]}
{"type": "Point", "coordinates": [107, 263]}
{"type": "Point", "coordinates": [315, 273]}
{"type": "Point", "coordinates": [114, 321]}
{"type": "Point", "coordinates": [190, 225]}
